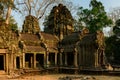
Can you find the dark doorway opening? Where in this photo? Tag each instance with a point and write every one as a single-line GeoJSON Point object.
{"type": "Point", "coordinates": [18, 62]}
{"type": "Point", "coordinates": [29, 60]}
{"type": "Point", "coordinates": [58, 59]}
{"type": "Point", "coordinates": [1, 62]}
{"type": "Point", "coordinates": [40, 60]}
{"type": "Point", "coordinates": [52, 58]}
{"type": "Point", "coordinates": [70, 59]}
{"type": "Point", "coordinates": [63, 59]}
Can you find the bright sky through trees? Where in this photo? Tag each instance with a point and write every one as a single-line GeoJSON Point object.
{"type": "Point", "coordinates": [108, 4]}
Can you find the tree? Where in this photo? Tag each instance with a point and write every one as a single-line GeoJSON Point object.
{"type": "Point", "coordinates": [1, 9]}
{"type": "Point", "coordinates": [83, 19]}
{"type": "Point", "coordinates": [114, 14]}
{"type": "Point", "coordinates": [116, 28]}
{"type": "Point", "coordinates": [40, 8]}
{"type": "Point", "coordinates": [13, 25]}
{"type": "Point", "coordinates": [36, 8]}
{"type": "Point", "coordinates": [94, 18]}
{"type": "Point", "coordinates": [8, 14]}
{"type": "Point", "coordinates": [8, 19]}
{"type": "Point", "coordinates": [113, 44]}
{"type": "Point", "coordinates": [7, 4]}
{"type": "Point", "coordinates": [1, 13]}
{"type": "Point", "coordinates": [69, 4]}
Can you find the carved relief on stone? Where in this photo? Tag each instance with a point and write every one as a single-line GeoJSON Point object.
{"type": "Point", "coordinates": [31, 25]}
{"type": "Point", "coordinates": [1, 39]}
{"type": "Point", "coordinates": [100, 39]}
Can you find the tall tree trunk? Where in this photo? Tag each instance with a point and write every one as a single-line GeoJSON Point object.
{"type": "Point", "coordinates": [8, 15]}
{"type": "Point", "coordinates": [9, 12]}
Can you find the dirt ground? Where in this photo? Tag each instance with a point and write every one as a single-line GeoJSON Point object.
{"type": "Point", "coordinates": [59, 77]}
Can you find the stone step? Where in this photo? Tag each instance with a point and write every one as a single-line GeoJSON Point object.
{"type": "Point", "coordinates": [2, 72]}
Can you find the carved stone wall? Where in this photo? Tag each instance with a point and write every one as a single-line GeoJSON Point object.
{"type": "Point", "coordinates": [60, 22]}
{"type": "Point", "coordinates": [31, 25]}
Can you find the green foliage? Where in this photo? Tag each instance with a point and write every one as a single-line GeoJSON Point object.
{"type": "Point", "coordinates": [1, 8]}
{"type": "Point", "coordinates": [13, 25]}
{"type": "Point", "coordinates": [110, 48]}
{"type": "Point", "coordinates": [113, 44]}
{"type": "Point", "coordinates": [94, 18]}
{"type": "Point", "coordinates": [7, 3]}
{"type": "Point", "coordinates": [47, 24]}
{"type": "Point", "coordinates": [113, 49]}
{"type": "Point", "coordinates": [116, 28]}
{"type": "Point", "coordinates": [78, 25]}
{"type": "Point", "coordinates": [4, 4]}
{"type": "Point", "coordinates": [1, 12]}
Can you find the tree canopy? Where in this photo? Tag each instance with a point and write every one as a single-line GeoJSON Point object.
{"type": "Point", "coordinates": [116, 28]}
{"type": "Point", "coordinates": [4, 5]}
{"type": "Point", "coordinates": [7, 6]}
{"type": "Point", "coordinates": [113, 45]}
{"type": "Point", "coordinates": [94, 18]}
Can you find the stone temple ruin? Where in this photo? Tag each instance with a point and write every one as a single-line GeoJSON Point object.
{"type": "Point", "coordinates": [58, 46]}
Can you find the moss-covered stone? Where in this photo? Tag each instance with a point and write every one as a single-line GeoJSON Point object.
{"type": "Point", "coordinates": [59, 22]}
{"type": "Point", "coordinates": [31, 25]}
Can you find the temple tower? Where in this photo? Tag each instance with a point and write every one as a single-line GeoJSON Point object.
{"type": "Point", "coordinates": [31, 25]}
{"type": "Point", "coordinates": [59, 22]}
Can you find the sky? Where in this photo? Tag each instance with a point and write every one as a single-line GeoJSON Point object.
{"type": "Point", "coordinates": [108, 4]}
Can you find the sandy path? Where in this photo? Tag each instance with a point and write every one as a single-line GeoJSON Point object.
{"type": "Point", "coordinates": [57, 76]}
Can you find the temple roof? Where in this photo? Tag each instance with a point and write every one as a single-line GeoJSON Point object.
{"type": "Point", "coordinates": [72, 38]}
{"type": "Point", "coordinates": [47, 36]}
{"type": "Point", "coordinates": [31, 42]}
{"type": "Point", "coordinates": [29, 37]}
{"type": "Point", "coordinates": [88, 39]}
{"type": "Point", "coordinates": [34, 49]}
{"type": "Point", "coordinates": [77, 38]}
{"type": "Point", "coordinates": [50, 41]}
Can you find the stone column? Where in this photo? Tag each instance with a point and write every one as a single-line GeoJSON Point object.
{"type": "Point", "coordinates": [45, 59]}
{"type": "Point", "coordinates": [4, 59]}
{"type": "Point", "coordinates": [34, 60]}
{"type": "Point", "coordinates": [92, 55]}
{"type": "Point", "coordinates": [80, 56]}
{"type": "Point", "coordinates": [103, 56]}
{"type": "Point", "coordinates": [23, 60]}
{"type": "Point", "coordinates": [48, 63]}
{"type": "Point", "coordinates": [10, 62]}
{"type": "Point", "coordinates": [75, 59]}
{"type": "Point", "coordinates": [61, 63]}
{"type": "Point", "coordinates": [65, 59]}
{"type": "Point", "coordinates": [83, 57]}
{"type": "Point", "coordinates": [96, 58]}
{"type": "Point", "coordinates": [20, 61]}
{"type": "Point", "coordinates": [15, 62]}
{"type": "Point", "coordinates": [7, 63]}
{"type": "Point", "coordinates": [55, 59]}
